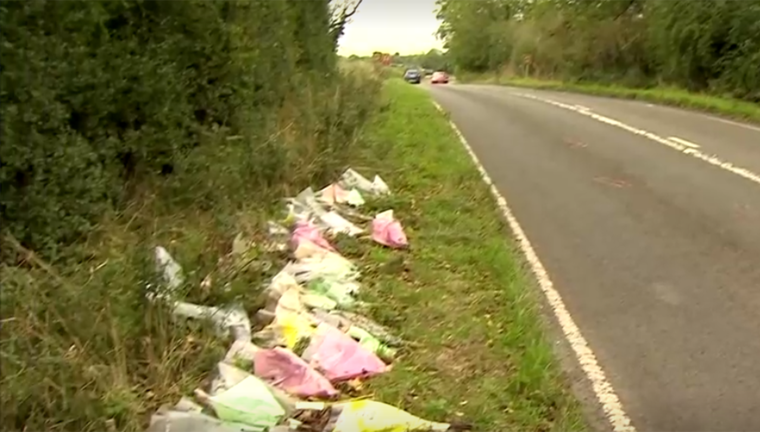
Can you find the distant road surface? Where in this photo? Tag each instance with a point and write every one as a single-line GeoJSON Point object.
{"type": "Point", "coordinates": [647, 219]}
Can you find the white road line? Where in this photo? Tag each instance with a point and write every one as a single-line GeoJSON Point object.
{"type": "Point", "coordinates": [746, 126]}
{"type": "Point", "coordinates": [603, 390]}
{"type": "Point", "coordinates": [712, 160]}
{"type": "Point", "coordinates": [684, 142]}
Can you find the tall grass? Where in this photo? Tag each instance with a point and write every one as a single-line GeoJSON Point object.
{"type": "Point", "coordinates": [81, 349]}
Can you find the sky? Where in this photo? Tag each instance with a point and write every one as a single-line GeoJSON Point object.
{"type": "Point", "coordinates": [403, 26]}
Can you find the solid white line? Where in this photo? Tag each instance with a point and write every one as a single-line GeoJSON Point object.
{"type": "Point", "coordinates": [684, 142]}
{"type": "Point", "coordinates": [733, 123]}
{"type": "Point", "coordinates": [715, 118]}
{"type": "Point", "coordinates": [712, 160]}
{"type": "Point", "coordinates": [603, 390]}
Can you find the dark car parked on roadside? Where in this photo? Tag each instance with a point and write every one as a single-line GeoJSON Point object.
{"type": "Point", "coordinates": [413, 76]}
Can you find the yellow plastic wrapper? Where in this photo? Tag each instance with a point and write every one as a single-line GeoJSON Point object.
{"type": "Point", "coordinates": [366, 416]}
{"type": "Point", "coordinates": [294, 328]}
{"type": "Point", "coordinates": [372, 416]}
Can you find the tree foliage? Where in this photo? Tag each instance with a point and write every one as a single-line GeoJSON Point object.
{"type": "Point", "coordinates": [704, 45]}
{"type": "Point", "coordinates": [342, 11]}
{"type": "Point", "coordinates": [433, 60]}
{"type": "Point", "coordinates": [99, 95]}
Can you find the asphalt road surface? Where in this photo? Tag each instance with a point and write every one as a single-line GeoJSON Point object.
{"type": "Point", "coordinates": [653, 245]}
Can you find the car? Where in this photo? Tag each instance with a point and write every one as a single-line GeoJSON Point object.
{"type": "Point", "coordinates": [412, 76]}
{"type": "Point", "coordinates": [439, 77]}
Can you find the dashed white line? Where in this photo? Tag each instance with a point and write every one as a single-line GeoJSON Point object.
{"type": "Point", "coordinates": [684, 142]}
{"type": "Point", "coordinates": [602, 388]}
{"type": "Point", "coordinates": [712, 160]}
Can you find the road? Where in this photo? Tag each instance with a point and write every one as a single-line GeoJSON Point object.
{"type": "Point", "coordinates": [652, 245]}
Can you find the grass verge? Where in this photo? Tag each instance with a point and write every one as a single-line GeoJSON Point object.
{"type": "Point", "coordinates": [727, 107]}
{"type": "Point", "coordinates": [460, 294]}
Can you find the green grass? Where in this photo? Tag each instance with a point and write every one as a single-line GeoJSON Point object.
{"type": "Point", "coordinates": [724, 106]}
{"type": "Point", "coordinates": [460, 294]}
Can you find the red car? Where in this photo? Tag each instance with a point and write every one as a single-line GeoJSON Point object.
{"type": "Point", "coordinates": [439, 78]}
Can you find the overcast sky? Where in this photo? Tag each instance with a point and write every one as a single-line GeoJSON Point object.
{"type": "Point", "coordinates": [404, 26]}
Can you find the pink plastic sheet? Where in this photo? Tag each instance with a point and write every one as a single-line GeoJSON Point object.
{"type": "Point", "coordinates": [309, 232]}
{"type": "Point", "coordinates": [339, 357]}
{"type": "Point", "coordinates": [387, 231]}
{"type": "Point", "coordinates": [283, 369]}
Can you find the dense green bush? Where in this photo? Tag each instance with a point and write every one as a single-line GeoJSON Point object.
{"type": "Point", "coordinates": [131, 124]}
{"type": "Point", "coordinates": [99, 96]}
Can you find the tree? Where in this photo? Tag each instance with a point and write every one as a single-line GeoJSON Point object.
{"type": "Point", "coordinates": [342, 12]}
{"type": "Point", "coordinates": [706, 45]}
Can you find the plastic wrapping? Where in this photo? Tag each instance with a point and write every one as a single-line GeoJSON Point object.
{"type": "Point", "coordinates": [332, 319]}
{"type": "Point", "coordinates": [352, 179]}
{"type": "Point", "coordinates": [309, 232]}
{"type": "Point", "coordinates": [233, 319]}
{"type": "Point", "coordinates": [306, 249]}
{"type": "Point", "coordinates": [170, 270]}
{"type": "Point", "coordinates": [341, 292]}
{"type": "Point", "coordinates": [333, 194]}
{"type": "Point", "coordinates": [288, 330]}
{"type": "Point", "coordinates": [328, 266]}
{"type": "Point", "coordinates": [379, 331]}
{"type": "Point", "coordinates": [305, 206]}
{"type": "Point", "coordinates": [283, 369]}
{"type": "Point", "coordinates": [372, 416]}
{"type": "Point", "coordinates": [318, 301]}
{"type": "Point", "coordinates": [339, 357]}
{"type": "Point", "coordinates": [228, 376]}
{"type": "Point", "coordinates": [387, 231]}
{"type": "Point", "coordinates": [282, 282]}
{"type": "Point", "coordinates": [241, 355]}
{"type": "Point", "coordinates": [182, 421]}
{"type": "Point", "coordinates": [355, 198]}
{"type": "Point", "coordinates": [363, 416]}
{"type": "Point", "coordinates": [248, 402]}
{"type": "Point", "coordinates": [290, 302]}
{"type": "Point", "coordinates": [371, 343]}
{"type": "Point", "coordinates": [337, 224]}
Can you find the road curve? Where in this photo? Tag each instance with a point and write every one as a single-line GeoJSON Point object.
{"type": "Point", "coordinates": [653, 250]}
